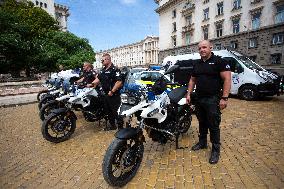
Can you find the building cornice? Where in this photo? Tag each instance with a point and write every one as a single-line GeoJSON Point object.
{"type": "Point", "coordinates": [167, 5]}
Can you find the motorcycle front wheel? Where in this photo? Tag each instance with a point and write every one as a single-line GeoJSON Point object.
{"type": "Point", "coordinates": [41, 94]}
{"type": "Point", "coordinates": [58, 127]}
{"type": "Point", "coordinates": [45, 100]}
{"type": "Point", "coordinates": [48, 107]}
{"type": "Point", "coordinates": [121, 161]}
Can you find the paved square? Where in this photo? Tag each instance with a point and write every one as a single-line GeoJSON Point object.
{"type": "Point", "coordinates": [252, 136]}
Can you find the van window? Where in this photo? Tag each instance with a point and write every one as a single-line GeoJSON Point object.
{"type": "Point", "coordinates": [234, 64]}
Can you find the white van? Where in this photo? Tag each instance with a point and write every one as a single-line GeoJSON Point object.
{"type": "Point", "coordinates": [249, 80]}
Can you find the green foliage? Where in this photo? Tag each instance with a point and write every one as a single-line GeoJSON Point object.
{"type": "Point", "coordinates": [30, 38]}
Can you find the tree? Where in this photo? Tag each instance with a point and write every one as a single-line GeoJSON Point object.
{"type": "Point", "coordinates": [30, 38]}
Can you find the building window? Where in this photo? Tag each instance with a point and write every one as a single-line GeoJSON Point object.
{"type": "Point", "coordinates": [220, 8]}
{"type": "Point", "coordinates": [255, 20]}
{"type": "Point", "coordinates": [36, 2]}
{"type": "Point", "coordinates": [278, 38]}
{"type": "Point", "coordinates": [174, 40]}
{"type": "Point", "coordinates": [206, 14]}
{"type": "Point", "coordinates": [40, 4]}
{"type": "Point", "coordinates": [279, 17]}
{"type": "Point", "coordinates": [276, 58]}
{"type": "Point", "coordinates": [206, 1]}
{"type": "Point", "coordinates": [205, 32]}
{"type": "Point", "coordinates": [188, 20]}
{"type": "Point", "coordinates": [236, 25]}
{"type": "Point", "coordinates": [187, 38]}
{"type": "Point", "coordinates": [174, 27]}
{"type": "Point", "coordinates": [234, 44]}
{"type": "Point", "coordinates": [174, 13]}
{"type": "Point", "coordinates": [237, 4]}
{"type": "Point", "coordinates": [219, 29]}
{"type": "Point", "coordinates": [45, 5]}
{"type": "Point", "coordinates": [252, 42]}
{"type": "Point", "coordinates": [218, 46]}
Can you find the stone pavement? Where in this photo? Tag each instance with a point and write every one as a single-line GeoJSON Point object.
{"type": "Point", "coordinates": [251, 155]}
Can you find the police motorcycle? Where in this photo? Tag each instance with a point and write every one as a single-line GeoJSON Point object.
{"type": "Point", "coordinates": [60, 124]}
{"type": "Point", "coordinates": [164, 115]}
{"type": "Point", "coordinates": [60, 101]}
{"type": "Point", "coordinates": [56, 81]}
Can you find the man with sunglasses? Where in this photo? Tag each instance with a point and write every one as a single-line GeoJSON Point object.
{"type": "Point", "coordinates": [111, 82]}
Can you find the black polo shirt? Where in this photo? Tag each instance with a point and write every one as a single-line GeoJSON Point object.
{"type": "Point", "coordinates": [207, 74]}
{"type": "Point", "coordinates": [89, 77]}
{"type": "Point", "coordinates": [108, 78]}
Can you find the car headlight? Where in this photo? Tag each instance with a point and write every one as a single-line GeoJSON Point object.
{"type": "Point", "coordinates": [265, 76]}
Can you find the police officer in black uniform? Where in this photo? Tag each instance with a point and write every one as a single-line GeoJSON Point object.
{"type": "Point", "coordinates": [111, 82]}
{"type": "Point", "coordinates": [212, 78]}
{"type": "Point", "coordinates": [88, 74]}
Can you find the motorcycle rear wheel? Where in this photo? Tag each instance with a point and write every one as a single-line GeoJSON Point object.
{"type": "Point", "coordinates": [185, 119]}
{"type": "Point", "coordinates": [121, 161]}
{"type": "Point", "coordinates": [58, 127]}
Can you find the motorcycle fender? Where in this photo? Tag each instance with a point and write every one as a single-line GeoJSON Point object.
{"type": "Point", "coordinates": [65, 111]}
{"type": "Point", "coordinates": [63, 97]}
{"type": "Point", "coordinates": [134, 109]}
{"type": "Point", "coordinates": [127, 133]}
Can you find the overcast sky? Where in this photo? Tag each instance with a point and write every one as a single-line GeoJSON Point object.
{"type": "Point", "coordinates": [112, 23]}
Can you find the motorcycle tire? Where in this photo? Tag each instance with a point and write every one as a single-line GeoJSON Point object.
{"type": "Point", "coordinates": [45, 100]}
{"type": "Point", "coordinates": [58, 127]}
{"type": "Point", "coordinates": [41, 94]}
{"type": "Point", "coordinates": [185, 119]}
{"type": "Point", "coordinates": [48, 107]}
{"type": "Point", "coordinates": [125, 158]}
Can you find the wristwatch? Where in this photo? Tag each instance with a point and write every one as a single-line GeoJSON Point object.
{"type": "Point", "coordinates": [224, 98]}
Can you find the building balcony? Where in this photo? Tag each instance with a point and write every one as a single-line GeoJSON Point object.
{"type": "Point", "coordinates": [188, 9]}
{"type": "Point", "coordinates": [188, 28]}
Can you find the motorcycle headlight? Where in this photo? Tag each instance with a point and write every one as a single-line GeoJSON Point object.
{"type": "Point", "coordinates": [131, 100]}
{"type": "Point", "coordinates": [124, 98]}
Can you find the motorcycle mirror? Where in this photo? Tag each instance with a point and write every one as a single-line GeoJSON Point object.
{"type": "Point", "coordinates": [172, 69]}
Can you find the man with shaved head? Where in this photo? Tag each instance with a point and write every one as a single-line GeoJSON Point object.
{"type": "Point", "coordinates": [212, 78]}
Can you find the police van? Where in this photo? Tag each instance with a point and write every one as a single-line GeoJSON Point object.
{"type": "Point", "coordinates": [249, 80]}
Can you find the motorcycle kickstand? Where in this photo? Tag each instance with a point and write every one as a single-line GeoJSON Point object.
{"type": "Point", "coordinates": [177, 146]}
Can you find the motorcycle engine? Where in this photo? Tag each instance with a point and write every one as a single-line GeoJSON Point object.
{"type": "Point", "coordinates": [156, 131]}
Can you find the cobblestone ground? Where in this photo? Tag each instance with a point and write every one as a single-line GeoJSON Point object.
{"type": "Point", "coordinates": [251, 155]}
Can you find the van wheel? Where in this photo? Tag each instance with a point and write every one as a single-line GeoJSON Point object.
{"type": "Point", "coordinates": [248, 93]}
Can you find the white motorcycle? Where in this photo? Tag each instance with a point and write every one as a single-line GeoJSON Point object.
{"type": "Point", "coordinates": [60, 124]}
{"type": "Point", "coordinates": [164, 114]}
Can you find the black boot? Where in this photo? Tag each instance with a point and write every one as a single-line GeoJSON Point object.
{"type": "Point", "coordinates": [215, 154]}
{"type": "Point", "coordinates": [202, 144]}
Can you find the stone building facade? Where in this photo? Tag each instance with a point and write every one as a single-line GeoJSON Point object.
{"type": "Point", "coordinates": [252, 27]}
{"type": "Point", "coordinates": [140, 54]}
{"type": "Point", "coordinates": [57, 11]}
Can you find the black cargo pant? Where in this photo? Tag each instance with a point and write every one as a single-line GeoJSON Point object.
{"type": "Point", "coordinates": [209, 117]}
{"type": "Point", "coordinates": [111, 105]}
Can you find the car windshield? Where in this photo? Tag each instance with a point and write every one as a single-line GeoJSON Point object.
{"type": "Point", "coordinates": [249, 63]}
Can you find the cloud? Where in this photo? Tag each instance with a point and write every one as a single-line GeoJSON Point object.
{"type": "Point", "coordinates": [128, 2]}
